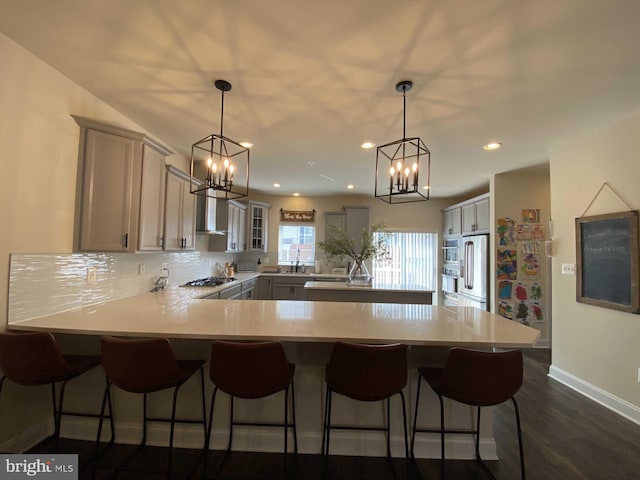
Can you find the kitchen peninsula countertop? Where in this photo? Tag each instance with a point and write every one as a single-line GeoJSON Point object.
{"type": "Point", "coordinates": [179, 313]}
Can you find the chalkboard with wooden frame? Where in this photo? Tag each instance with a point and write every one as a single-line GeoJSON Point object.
{"type": "Point", "coordinates": [607, 261]}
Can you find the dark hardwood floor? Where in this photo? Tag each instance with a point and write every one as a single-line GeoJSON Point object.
{"type": "Point", "coordinates": [566, 437]}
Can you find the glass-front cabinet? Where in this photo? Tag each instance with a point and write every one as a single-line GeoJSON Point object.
{"type": "Point", "coordinates": [258, 226]}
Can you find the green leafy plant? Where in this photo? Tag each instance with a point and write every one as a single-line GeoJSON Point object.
{"type": "Point", "coordinates": [340, 244]}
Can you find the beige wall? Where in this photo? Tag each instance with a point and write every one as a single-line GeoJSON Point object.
{"type": "Point", "coordinates": [410, 217]}
{"type": "Point", "coordinates": [511, 193]}
{"type": "Point", "coordinates": [597, 345]}
{"type": "Point", "coordinates": [38, 157]}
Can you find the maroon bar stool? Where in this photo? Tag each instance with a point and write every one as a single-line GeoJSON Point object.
{"type": "Point", "coordinates": [252, 370]}
{"type": "Point", "coordinates": [35, 359]}
{"type": "Point", "coordinates": [367, 373]}
{"type": "Point", "coordinates": [475, 378]}
{"type": "Point", "coordinates": [146, 366]}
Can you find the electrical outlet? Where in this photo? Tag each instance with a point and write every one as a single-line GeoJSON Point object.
{"type": "Point", "coordinates": [91, 274]}
{"type": "Point", "coordinates": [568, 269]}
{"type": "Point", "coordinates": [142, 269]}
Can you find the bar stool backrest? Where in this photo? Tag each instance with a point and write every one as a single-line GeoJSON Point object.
{"type": "Point", "coordinates": [140, 365]}
{"type": "Point", "coordinates": [481, 378]}
{"type": "Point", "coordinates": [367, 372]}
{"type": "Point", "coordinates": [249, 370]}
{"type": "Point", "coordinates": [32, 358]}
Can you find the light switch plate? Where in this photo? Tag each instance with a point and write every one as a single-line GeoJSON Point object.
{"type": "Point", "coordinates": [568, 268]}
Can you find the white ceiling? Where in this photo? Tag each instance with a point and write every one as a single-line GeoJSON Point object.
{"type": "Point", "coordinates": [312, 80]}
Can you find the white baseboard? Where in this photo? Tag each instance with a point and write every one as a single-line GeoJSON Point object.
{"type": "Point", "coordinates": [616, 404]}
{"type": "Point", "coordinates": [28, 438]}
{"type": "Point", "coordinates": [371, 444]}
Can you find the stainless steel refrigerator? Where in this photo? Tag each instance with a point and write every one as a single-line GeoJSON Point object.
{"type": "Point", "coordinates": [473, 284]}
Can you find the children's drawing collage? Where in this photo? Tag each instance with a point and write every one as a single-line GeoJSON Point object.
{"type": "Point", "coordinates": [518, 257]}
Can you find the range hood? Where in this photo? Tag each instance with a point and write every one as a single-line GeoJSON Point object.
{"type": "Point", "coordinates": [211, 216]}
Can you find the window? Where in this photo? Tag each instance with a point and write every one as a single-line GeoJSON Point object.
{"type": "Point", "coordinates": [296, 243]}
{"type": "Point", "coordinates": [413, 259]}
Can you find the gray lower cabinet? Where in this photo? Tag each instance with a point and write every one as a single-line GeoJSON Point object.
{"type": "Point", "coordinates": [289, 288]}
{"type": "Point", "coordinates": [249, 289]}
{"type": "Point", "coordinates": [232, 293]}
{"type": "Point", "coordinates": [263, 288]}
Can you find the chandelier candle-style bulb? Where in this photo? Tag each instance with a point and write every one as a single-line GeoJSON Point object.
{"type": "Point", "coordinates": [402, 158]}
{"type": "Point", "coordinates": [219, 166]}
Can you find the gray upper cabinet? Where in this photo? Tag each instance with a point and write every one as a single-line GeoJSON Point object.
{"type": "Point", "coordinates": [470, 217]}
{"type": "Point", "coordinates": [120, 191]}
{"type": "Point", "coordinates": [452, 221]}
{"type": "Point", "coordinates": [180, 212]}
{"type": "Point", "coordinates": [356, 221]}
{"type": "Point", "coordinates": [476, 216]}
{"type": "Point", "coordinates": [335, 219]}
{"type": "Point", "coordinates": [152, 202]}
{"type": "Point", "coordinates": [258, 226]}
{"type": "Point", "coordinates": [109, 172]}
{"type": "Point", "coordinates": [236, 221]}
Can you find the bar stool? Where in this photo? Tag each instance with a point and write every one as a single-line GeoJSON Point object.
{"type": "Point", "coordinates": [145, 366]}
{"type": "Point", "coordinates": [252, 370]}
{"type": "Point", "coordinates": [367, 373]}
{"type": "Point", "coordinates": [35, 359]}
{"type": "Point", "coordinates": [475, 378]}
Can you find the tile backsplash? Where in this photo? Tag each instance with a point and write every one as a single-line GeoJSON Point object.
{"type": "Point", "coordinates": [42, 284]}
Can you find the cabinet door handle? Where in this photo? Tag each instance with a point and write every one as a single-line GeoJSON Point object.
{"type": "Point", "coordinates": [161, 242]}
{"type": "Point", "coordinates": [126, 240]}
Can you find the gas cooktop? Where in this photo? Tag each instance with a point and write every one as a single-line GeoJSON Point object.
{"type": "Point", "coordinates": [209, 282]}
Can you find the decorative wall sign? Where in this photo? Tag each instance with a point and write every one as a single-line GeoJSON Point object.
{"type": "Point", "coordinates": [607, 261]}
{"type": "Point", "coordinates": [297, 216]}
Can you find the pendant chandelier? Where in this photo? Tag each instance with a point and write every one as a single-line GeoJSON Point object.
{"type": "Point", "coordinates": [399, 164]}
{"type": "Point", "coordinates": [219, 166]}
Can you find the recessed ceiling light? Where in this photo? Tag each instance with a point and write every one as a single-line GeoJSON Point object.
{"type": "Point", "coordinates": [350, 186]}
{"type": "Point", "coordinates": [492, 146]}
{"type": "Point", "coordinates": [246, 144]}
{"type": "Point", "coordinates": [367, 145]}
{"type": "Point", "coordinates": [276, 185]}
{"type": "Point", "coordinates": [296, 194]}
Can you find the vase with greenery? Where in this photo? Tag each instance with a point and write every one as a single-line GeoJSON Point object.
{"type": "Point", "coordinates": [339, 244]}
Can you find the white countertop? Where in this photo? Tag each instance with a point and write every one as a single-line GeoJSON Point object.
{"type": "Point", "coordinates": [375, 286]}
{"type": "Point", "coordinates": [179, 313]}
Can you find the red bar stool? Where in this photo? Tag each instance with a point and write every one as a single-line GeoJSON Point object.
{"type": "Point", "coordinates": [145, 366]}
{"type": "Point", "coordinates": [252, 370]}
{"type": "Point", "coordinates": [367, 373]}
{"type": "Point", "coordinates": [475, 378]}
{"type": "Point", "coordinates": [35, 359]}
